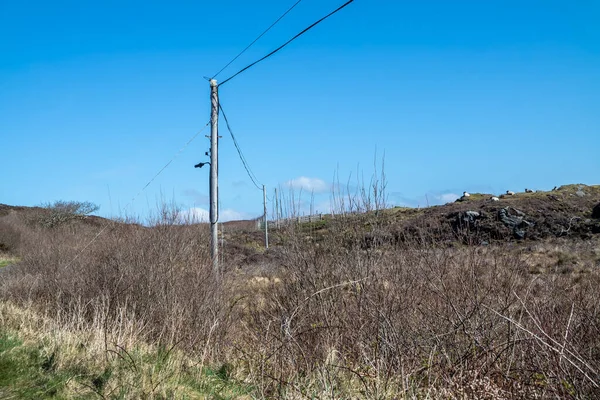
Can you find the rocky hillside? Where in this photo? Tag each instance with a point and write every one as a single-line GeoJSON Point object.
{"type": "Point", "coordinates": [571, 211]}
{"type": "Point", "coordinates": [567, 211]}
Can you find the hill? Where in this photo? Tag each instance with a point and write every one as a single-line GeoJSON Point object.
{"type": "Point", "coordinates": [18, 221]}
{"type": "Point", "coordinates": [567, 211]}
{"type": "Point", "coordinates": [564, 212]}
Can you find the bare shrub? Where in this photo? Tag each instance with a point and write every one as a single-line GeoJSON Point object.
{"type": "Point", "coordinates": [62, 212]}
{"type": "Point", "coordinates": [10, 237]}
{"type": "Point", "coordinates": [158, 276]}
{"type": "Point", "coordinates": [364, 311]}
{"type": "Point", "coordinates": [413, 320]}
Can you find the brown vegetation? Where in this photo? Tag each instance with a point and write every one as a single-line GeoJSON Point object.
{"type": "Point", "coordinates": [335, 311]}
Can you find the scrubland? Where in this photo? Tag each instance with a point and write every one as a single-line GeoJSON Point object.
{"type": "Point", "coordinates": [93, 308]}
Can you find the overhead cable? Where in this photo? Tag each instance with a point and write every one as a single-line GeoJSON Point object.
{"type": "Point", "coordinates": [112, 222]}
{"type": "Point", "coordinates": [286, 43]}
{"type": "Point", "coordinates": [240, 153]}
{"type": "Point", "coordinates": [256, 40]}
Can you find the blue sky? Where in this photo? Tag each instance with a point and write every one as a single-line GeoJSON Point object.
{"type": "Point", "coordinates": [96, 97]}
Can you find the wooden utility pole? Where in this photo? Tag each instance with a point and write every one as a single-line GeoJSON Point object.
{"type": "Point", "coordinates": [265, 218]}
{"type": "Point", "coordinates": [214, 175]}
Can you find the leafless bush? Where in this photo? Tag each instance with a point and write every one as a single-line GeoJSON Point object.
{"type": "Point", "coordinates": [61, 212]}
{"type": "Point", "coordinates": [358, 313]}
{"type": "Point", "coordinates": [158, 276]}
{"type": "Point", "coordinates": [10, 237]}
{"type": "Point", "coordinates": [400, 320]}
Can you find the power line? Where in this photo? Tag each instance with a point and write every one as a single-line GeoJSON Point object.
{"type": "Point", "coordinates": [286, 43]}
{"type": "Point", "coordinates": [256, 40]}
{"type": "Point", "coordinates": [170, 161]}
{"type": "Point", "coordinates": [140, 192]}
{"type": "Point", "coordinates": [253, 177]}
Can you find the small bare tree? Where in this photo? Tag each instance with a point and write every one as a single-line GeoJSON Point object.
{"type": "Point", "coordinates": [61, 212]}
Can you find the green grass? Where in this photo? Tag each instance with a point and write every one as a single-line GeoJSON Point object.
{"type": "Point", "coordinates": [314, 225]}
{"type": "Point", "coordinates": [27, 373]}
{"type": "Point", "coordinates": [31, 369]}
{"type": "Point", "coordinates": [218, 384]}
{"type": "Point", "coordinates": [4, 261]}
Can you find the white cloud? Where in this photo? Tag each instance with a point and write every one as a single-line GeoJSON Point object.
{"type": "Point", "coordinates": [448, 197]}
{"type": "Point", "coordinates": [315, 185]}
{"type": "Point", "coordinates": [232, 215]}
{"type": "Point", "coordinates": [194, 215]}
{"type": "Point", "coordinates": [429, 199]}
{"type": "Point", "coordinates": [198, 214]}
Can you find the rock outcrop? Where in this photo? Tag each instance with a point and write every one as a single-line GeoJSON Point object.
{"type": "Point", "coordinates": [596, 211]}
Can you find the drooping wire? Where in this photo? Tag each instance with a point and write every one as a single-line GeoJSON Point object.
{"type": "Point", "coordinates": [286, 43]}
{"type": "Point", "coordinates": [256, 40]}
{"type": "Point", "coordinates": [253, 177]}
{"type": "Point", "coordinates": [112, 222]}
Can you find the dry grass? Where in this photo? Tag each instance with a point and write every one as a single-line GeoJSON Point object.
{"type": "Point", "coordinates": [341, 314]}
{"type": "Point", "coordinates": [57, 359]}
{"type": "Point", "coordinates": [413, 322]}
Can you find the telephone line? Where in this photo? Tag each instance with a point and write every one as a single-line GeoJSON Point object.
{"type": "Point", "coordinates": [253, 177]}
{"type": "Point", "coordinates": [256, 40]}
{"type": "Point", "coordinates": [112, 222]}
{"type": "Point", "coordinates": [286, 43]}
